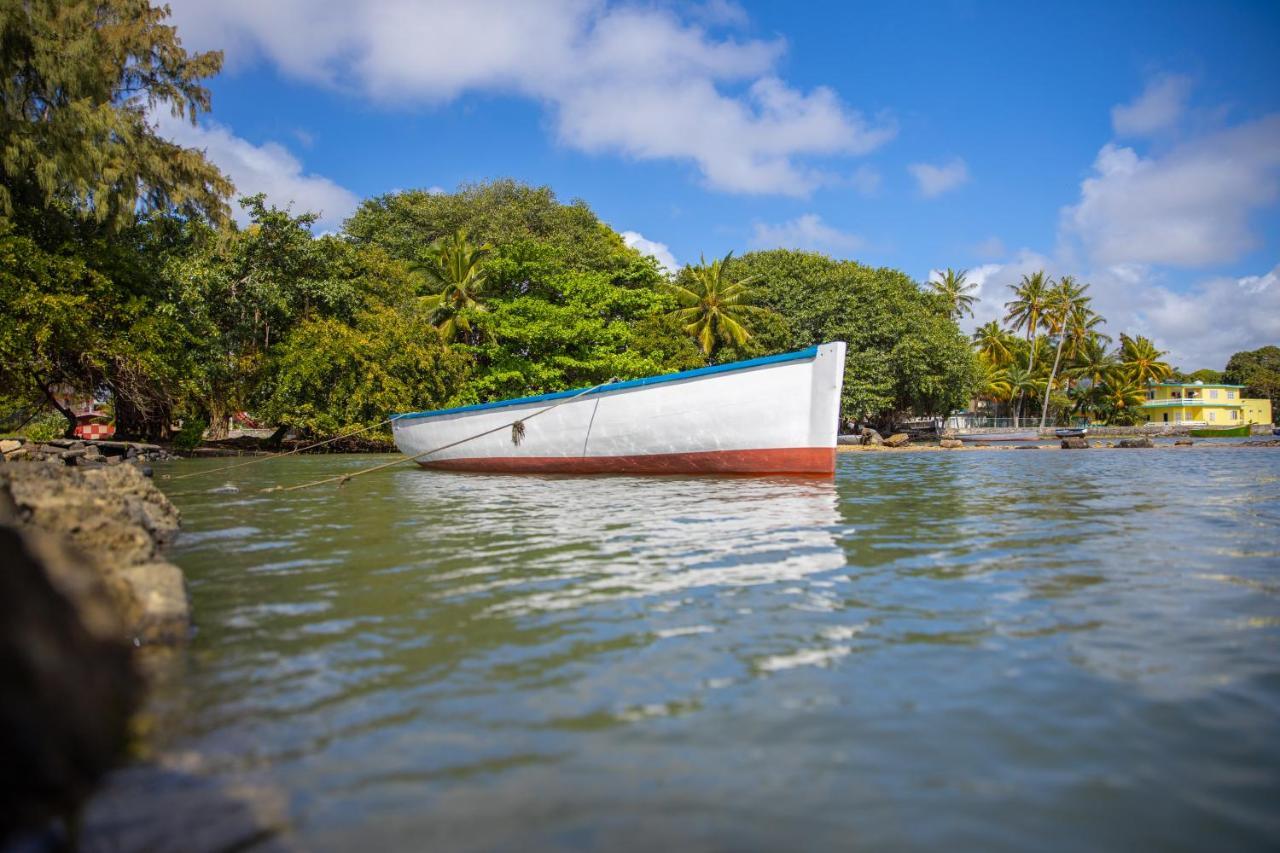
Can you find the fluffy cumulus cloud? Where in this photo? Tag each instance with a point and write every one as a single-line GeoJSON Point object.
{"type": "Point", "coordinates": [268, 168]}
{"type": "Point", "coordinates": [645, 246]}
{"type": "Point", "coordinates": [1200, 326]}
{"type": "Point", "coordinates": [805, 232]}
{"type": "Point", "coordinates": [1189, 206]}
{"type": "Point", "coordinates": [936, 179]}
{"type": "Point", "coordinates": [1159, 106]}
{"type": "Point", "coordinates": [639, 81]}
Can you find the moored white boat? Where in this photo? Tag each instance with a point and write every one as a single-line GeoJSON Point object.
{"type": "Point", "coordinates": [771, 415]}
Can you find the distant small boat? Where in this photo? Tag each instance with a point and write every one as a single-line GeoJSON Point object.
{"type": "Point", "coordinates": [1276, 431]}
{"type": "Point", "coordinates": [1071, 432]}
{"type": "Point", "coordinates": [771, 415]}
{"type": "Point", "coordinates": [1222, 432]}
{"type": "Point", "coordinates": [921, 426]}
{"type": "Point", "coordinates": [1007, 435]}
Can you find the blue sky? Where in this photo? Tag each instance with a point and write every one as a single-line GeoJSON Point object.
{"type": "Point", "coordinates": [1133, 145]}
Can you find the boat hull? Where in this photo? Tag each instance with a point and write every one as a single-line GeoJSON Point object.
{"type": "Point", "coordinates": [776, 415]}
{"type": "Point", "coordinates": [1227, 432]}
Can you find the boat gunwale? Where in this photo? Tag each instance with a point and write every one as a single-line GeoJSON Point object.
{"type": "Point", "coordinates": [697, 373]}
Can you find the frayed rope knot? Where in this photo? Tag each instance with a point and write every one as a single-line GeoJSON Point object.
{"type": "Point", "coordinates": [517, 433]}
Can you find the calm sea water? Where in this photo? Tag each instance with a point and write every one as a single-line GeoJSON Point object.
{"type": "Point", "coordinates": [981, 651]}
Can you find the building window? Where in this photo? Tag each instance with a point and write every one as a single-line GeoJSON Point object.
{"type": "Point", "coordinates": [1212, 416]}
{"type": "Point", "coordinates": [1213, 393]}
{"type": "Point", "coordinates": [1231, 395]}
{"type": "Point", "coordinates": [1235, 415]}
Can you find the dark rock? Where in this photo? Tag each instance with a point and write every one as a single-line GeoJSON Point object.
{"type": "Point", "coordinates": [1134, 442]}
{"type": "Point", "coordinates": [1183, 442]}
{"type": "Point", "coordinates": [898, 439]}
{"type": "Point", "coordinates": [1075, 444]}
{"type": "Point", "coordinates": [155, 807]}
{"type": "Point", "coordinates": [119, 517]}
{"type": "Point", "coordinates": [1027, 447]}
{"type": "Point", "coordinates": [951, 443]}
{"type": "Point", "coordinates": [870, 436]}
{"type": "Point", "coordinates": [67, 681]}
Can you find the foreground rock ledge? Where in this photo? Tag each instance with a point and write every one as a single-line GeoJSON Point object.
{"type": "Point", "coordinates": [118, 520]}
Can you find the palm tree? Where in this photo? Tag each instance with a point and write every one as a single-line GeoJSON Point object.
{"type": "Point", "coordinates": [1143, 361]}
{"type": "Point", "coordinates": [1067, 303]}
{"type": "Point", "coordinates": [1092, 360]}
{"type": "Point", "coordinates": [952, 287]}
{"type": "Point", "coordinates": [1022, 381]}
{"type": "Point", "coordinates": [1122, 398]}
{"type": "Point", "coordinates": [995, 345]}
{"type": "Point", "coordinates": [455, 268]}
{"type": "Point", "coordinates": [712, 306]}
{"type": "Point", "coordinates": [1026, 310]}
{"type": "Point", "coordinates": [993, 384]}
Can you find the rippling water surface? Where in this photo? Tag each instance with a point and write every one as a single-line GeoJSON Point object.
{"type": "Point", "coordinates": [995, 651]}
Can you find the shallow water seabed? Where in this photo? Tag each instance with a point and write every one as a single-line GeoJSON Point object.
{"type": "Point", "coordinates": [984, 651]}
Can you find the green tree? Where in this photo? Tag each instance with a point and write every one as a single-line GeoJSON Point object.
{"type": "Point", "coordinates": [1142, 362]}
{"type": "Point", "coordinates": [329, 376]}
{"type": "Point", "coordinates": [455, 269]}
{"type": "Point", "coordinates": [78, 79]}
{"type": "Point", "coordinates": [955, 292]}
{"type": "Point", "coordinates": [1120, 400]}
{"type": "Point", "coordinates": [713, 307]}
{"type": "Point", "coordinates": [905, 354]}
{"type": "Point", "coordinates": [1067, 306]}
{"type": "Point", "coordinates": [1026, 312]}
{"type": "Point", "coordinates": [1258, 370]}
{"type": "Point", "coordinates": [995, 345]}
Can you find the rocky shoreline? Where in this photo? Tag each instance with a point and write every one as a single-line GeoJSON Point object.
{"type": "Point", "coordinates": [89, 609]}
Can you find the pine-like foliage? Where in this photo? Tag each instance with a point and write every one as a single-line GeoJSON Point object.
{"type": "Point", "coordinates": [79, 81]}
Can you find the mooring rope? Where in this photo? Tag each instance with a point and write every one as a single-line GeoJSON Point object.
{"type": "Point", "coordinates": [517, 435]}
{"type": "Point", "coordinates": [271, 456]}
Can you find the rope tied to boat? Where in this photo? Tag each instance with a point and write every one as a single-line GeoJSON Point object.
{"type": "Point", "coordinates": [517, 433]}
{"type": "Point", "coordinates": [343, 479]}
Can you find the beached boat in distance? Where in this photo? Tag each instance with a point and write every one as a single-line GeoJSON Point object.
{"type": "Point", "coordinates": [1071, 432]}
{"type": "Point", "coordinates": [1027, 434]}
{"type": "Point", "coordinates": [1241, 431]}
{"type": "Point", "coordinates": [772, 415]}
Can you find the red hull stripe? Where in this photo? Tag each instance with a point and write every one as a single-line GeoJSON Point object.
{"type": "Point", "coordinates": [787, 460]}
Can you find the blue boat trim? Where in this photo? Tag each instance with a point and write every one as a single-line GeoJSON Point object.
{"type": "Point", "coordinates": [799, 355]}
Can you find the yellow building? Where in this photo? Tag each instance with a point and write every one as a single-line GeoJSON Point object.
{"type": "Point", "coordinates": [1199, 403]}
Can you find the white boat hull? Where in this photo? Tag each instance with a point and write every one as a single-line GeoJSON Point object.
{"type": "Point", "coordinates": [776, 415]}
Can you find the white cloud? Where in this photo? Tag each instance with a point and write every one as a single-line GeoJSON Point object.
{"type": "Point", "coordinates": [268, 168]}
{"type": "Point", "coordinates": [1200, 327]}
{"type": "Point", "coordinates": [993, 282]}
{"type": "Point", "coordinates": [1187, 207]}
{"type": "Point", "coordinates": [936, 180]}
{"type": "Point", "coordinates": [645, 246]}
{"type": "Point", "coordinates": [992, 247]}
{"type": "Point", "coordinates": [639, 81]}
{"type": "Point", "coordinates": [1159, 106]}
{"type": "Point", "coordinates": [805, 232]}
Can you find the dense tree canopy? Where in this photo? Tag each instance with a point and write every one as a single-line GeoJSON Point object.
{"type": "Point", "coordinates": [905, 354]}
{"type": "Point", "coordinates": [1258, 370]}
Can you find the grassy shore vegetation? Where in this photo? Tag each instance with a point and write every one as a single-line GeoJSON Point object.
{"type": "Point", "coordinates": [123, 273]}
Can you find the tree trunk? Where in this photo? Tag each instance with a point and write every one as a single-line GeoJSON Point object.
{"type": "Point", "coordinates": [149, 422]}
{"type": "Point", "coordinates": [70, 431]}
{"type": "Point", "coordinates": [1048, 391]}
